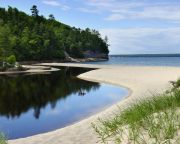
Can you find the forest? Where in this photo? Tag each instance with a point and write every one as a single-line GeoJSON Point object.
{"type": "Point", "coordinates": [34, 37]}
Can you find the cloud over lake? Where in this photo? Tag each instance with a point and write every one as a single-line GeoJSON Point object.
{"type": "Point", "coordinates": [143, 40]}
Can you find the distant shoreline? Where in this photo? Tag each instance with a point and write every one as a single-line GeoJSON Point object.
{"type": "Point", "coordinates": [145, 55]}
{"type": "Point", "coordinates": [64, 61]}
{"type": "Point", "coordinates": [33, 66]}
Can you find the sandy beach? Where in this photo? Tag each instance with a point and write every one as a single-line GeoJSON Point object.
{"type": "Point", "coordinates": [32, 69]}
{"type": "Point", "coordinates": [141, 81]}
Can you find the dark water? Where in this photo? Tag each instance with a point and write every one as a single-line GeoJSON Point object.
{"type": "Point", "coordinates": [143, 60]}
{"type": "Point", "coordinates": [33, 104]}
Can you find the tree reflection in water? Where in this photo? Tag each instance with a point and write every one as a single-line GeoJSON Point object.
{"type": "Point", "coordinates": [23, 92]}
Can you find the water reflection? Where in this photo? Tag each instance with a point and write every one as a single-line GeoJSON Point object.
{"type": "Point", "coordinates": [21, 93]}
{"type": "Point", "coordinates": [34, 104]}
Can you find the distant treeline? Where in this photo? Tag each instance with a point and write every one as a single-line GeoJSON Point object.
{"type": "Point", "coordinates": [37, 38]}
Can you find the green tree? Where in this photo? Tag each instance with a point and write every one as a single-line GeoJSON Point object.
{"type": "Point", "coordinates": [106, 39]}
{"type": "Point", "coordinates": [5, 41]}
{"type": "Point", "coordinates": [51, 17]}
{"type": "Point", "coordinates": [34, 11]}
{"type": "Point", "coordinates": [11, 59]}
{"type": "Point", "coordinates": [37, 38]}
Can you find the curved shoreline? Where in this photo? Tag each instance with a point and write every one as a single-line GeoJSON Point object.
{"type": "Point", "coordinates": [31, 69]}
{"type": "Point", "coordinates": [140, 80]}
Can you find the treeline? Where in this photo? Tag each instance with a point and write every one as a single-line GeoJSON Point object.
{"type": "Point", "coordinates": [37, 38]}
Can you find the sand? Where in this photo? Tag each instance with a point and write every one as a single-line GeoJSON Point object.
{"type": "Point", "coordinates": [32, 69]}
{"type": "Point", "coordinates": [141, 83]}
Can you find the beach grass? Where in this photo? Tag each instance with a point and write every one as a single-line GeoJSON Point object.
{"type": "Point", "coordinates": [3, 139]}
{"type": "Point", "coordinates": [152, 121]}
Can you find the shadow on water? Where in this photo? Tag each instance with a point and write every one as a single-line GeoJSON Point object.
{"type": "Point", "coordinates": [20, 93]}
{"type": "Point", "coordinates": [34, 104]}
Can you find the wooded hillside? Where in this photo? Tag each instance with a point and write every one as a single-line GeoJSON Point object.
{"type": "Point", "coordinates": [38, 38]}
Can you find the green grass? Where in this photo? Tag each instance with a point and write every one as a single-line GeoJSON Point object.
{"type": "Point", "coordinates": [155, 121]}
{"type": "Point", "coordinates": [3, 139]}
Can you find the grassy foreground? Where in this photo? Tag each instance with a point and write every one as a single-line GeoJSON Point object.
{"type": "Point", "coordinates": [153, 121]}
{"type": "Point", "coordinates": [2, 139]}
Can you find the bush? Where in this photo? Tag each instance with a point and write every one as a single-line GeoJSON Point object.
{"type": "Point", "coordinates": [2, 139]}
{"type": "Point", "coordinates": [154, 120]}
{"type": "Point", "coordinates": [177, 83]}
{"type": "Point", "coordinates": [11, 59]}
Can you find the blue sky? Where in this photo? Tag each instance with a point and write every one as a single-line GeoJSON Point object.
{"type": "Point", "coordinates": [133, 26]}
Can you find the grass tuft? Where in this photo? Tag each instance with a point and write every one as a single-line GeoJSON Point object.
{"type": "Point", "coordinates": [3, 139]}
{"type": "Point", "coordinates": [156, 120]}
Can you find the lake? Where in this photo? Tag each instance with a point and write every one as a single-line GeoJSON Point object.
{"type": "Point", "coordinates": [142, 60]}
{"type": "Point", "coordinates": [34, 104]}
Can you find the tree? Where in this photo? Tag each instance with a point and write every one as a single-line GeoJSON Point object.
{"type": "Point", "coordinates": [5, 41]}
{"type": "Point", "coordinates": [37, 38]}
{"type": "Point", "coordinates": [106, 39]}
{"type": "Point", "coordinates": [11, 59]}
{"type": "Point", "coordinates": [34, 11]}
{"type": "Point", "coordinates": [51, 17]}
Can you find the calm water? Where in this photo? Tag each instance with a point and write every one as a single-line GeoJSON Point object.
{"type": "Point", "coordinates": [33, 104]}
{"type": "Point", "coordinates": [143, 60]}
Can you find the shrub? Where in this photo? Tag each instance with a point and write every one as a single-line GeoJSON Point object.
{"type": "Point", "coordinates": [156, 120]}
{"type": "Point", "coordinates": [11, 59]}
{"type": "Point", "coordinates": [2, 139]}
{"type": "Point", "coordinates": [177, 84]}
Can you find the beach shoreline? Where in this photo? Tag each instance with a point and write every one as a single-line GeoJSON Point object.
{"type": "Point", "coordinates": [31, 69]}
{"type": "Point", "coordinates": [141, 81]}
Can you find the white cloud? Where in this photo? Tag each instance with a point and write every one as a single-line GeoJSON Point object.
{"type": "Point", "coordinates": [149, 12]}
{"type": "Point", "coordinates": [52, 3]}
{"type": "Point", "coordinates": [135, 9]}
{"type": "Point", "coordinates": [143, 40]}
{"type": "Point", "coordinates": [56, 4]}
{"type": "Point", "coordinates": [88, 10]}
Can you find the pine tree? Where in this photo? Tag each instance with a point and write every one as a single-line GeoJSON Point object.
{"type": "Point", "coordinates": [34, 11]}
{"type": "Point", "coordinates": [51, 17]}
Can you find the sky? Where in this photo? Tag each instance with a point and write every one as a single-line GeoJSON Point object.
{"type": "Point", "coordinates": [132, 26]}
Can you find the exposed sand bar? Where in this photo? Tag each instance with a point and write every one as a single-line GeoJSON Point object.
{"type": "Point", "coordinates": [31, 70]}
{"type": "Point", "coordinates": [75, 65]}
{"type": "Point", "coordinates": [141, 81]}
